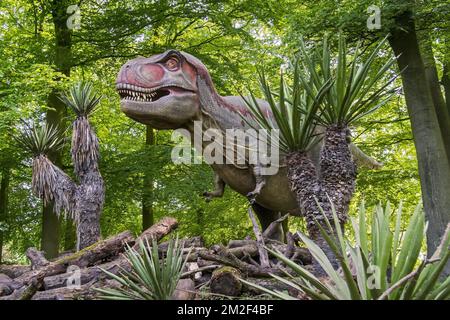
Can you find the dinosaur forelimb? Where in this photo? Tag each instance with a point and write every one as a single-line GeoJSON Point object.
{"type": "Point", "coordinates": [260, 183]}
{"type": "Point", "coordinates": [219, 188]}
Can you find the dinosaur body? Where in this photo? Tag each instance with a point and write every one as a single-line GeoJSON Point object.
{"type": "Point", "coordinates": [174, 89]}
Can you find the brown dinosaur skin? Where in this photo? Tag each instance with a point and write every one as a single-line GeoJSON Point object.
{"type": "Point", "coordinates": [181, 91]}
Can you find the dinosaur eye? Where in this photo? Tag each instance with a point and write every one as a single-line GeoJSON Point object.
{"type": "Point", "coordinates": [172, 63]}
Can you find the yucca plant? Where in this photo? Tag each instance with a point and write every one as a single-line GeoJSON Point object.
{"type": "Point", "coordinates": [385, 265]}
{"type": "Point", "coordinates": [85, 147]}
{"type": "Point", "coordinates": [294, 111]}
{"type": "Point", "coordinates": [83, 201]}
{"type": "Point", "coordinates": [40, 140]}
{"type": "Point", "coordinates": [150, 278]}
{"type": "Point", "coordinates": [323, 96]}
{"type": "Point", "coordinates": [354, 93]}
{"type": "Point", "coordinates": [49, 182]}
{"type": "Point", "coordinates": [85, 155]}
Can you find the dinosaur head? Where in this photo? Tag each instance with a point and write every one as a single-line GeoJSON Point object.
{"type": "Point", "coordinates": [160, 90]}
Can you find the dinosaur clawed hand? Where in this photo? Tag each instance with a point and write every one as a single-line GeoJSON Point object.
{"type": "Point", "coordinates": [251, 196]}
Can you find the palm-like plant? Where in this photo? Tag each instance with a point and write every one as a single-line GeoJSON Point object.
{"type": "Point", "coordinates": [150, 278]}
{"type": "Point", "coordinates": [83, 201]}
{"type": "Point", "coordinates": [355, 91]}
{"type": "Point", "coordinates": [294, 115]}
{"type": "Point", "coordinates": [49, 182]}
{"type": "Point", "coordinates": [323, 95]}
{"type": "Point", "coordinates": [85, 147]}
{"type": "Point", "coordinates": [386, 265]}
{"type": "Point", "coordinates": [40, 139]}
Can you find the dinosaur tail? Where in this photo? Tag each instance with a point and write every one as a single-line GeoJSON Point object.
{"type": "Point", "coordinates": [363, 160]}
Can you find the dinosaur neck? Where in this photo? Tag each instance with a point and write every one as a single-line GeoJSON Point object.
{"type": "Point", "coordinates": [215, 109]}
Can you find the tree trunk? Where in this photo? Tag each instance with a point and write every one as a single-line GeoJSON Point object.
{"type": "Point", "coordinates": [446, 83]}
{"type": "Point", "coordinates": [434, 169]}
{"type": "Point", "coordinates": [70, 235]}
{"type": "Point", "coordinates": [4, 186]}
{"type": "Point", "coordinates": [443, 115]}
{"type": "Point", "coordinates": [50, 232]}
{"type": "Point", "coordinates": [147, 188]}
{"type": "Point", "coordinates": [55, 116]}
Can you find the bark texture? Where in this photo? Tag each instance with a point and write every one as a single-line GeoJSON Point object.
{"type": "Point", "coordinates": [434, 168]}
{"type": "Point", "coordinates": [4, 186]}
{"type": "Point", "coordinates": [338, 170]}
{"type": "Point", "coordinates": [314, 190]}
{"type": "Point", "coordinates": [432, 79]}
{"type": "Point", "coordinates": [147, 187]}
{"type": "Point", "coordinates": [55, 116]}
{"type": "Point", "coordinates": [446, 83]}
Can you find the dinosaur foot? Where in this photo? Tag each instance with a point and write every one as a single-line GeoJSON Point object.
{"type": "Point", "coordinates": [207, 195]}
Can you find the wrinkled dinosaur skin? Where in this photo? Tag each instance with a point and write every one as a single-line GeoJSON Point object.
{"type": "Point", "coordinates": [171, 91]}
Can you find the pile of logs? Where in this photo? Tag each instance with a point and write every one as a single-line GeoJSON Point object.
{"type": "Point", "coordinates": [215, 270]}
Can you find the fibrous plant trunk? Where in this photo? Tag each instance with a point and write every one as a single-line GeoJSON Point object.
{"type": "Point", "coordinates": [83, 202]}
{"type": "Point", "coordinates": [304, 183]}
{"type": "Point", "coordinates": [89, 195]}
{"type": "Point", "coordinates": [338, 170]}
{"type": "Point", "coordinates": [89, 202]}
{"type": "Point", "coordinates": [314, 190]}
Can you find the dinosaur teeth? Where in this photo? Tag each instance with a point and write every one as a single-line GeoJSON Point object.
{"type": "Point", "coordinates": [133, 93]}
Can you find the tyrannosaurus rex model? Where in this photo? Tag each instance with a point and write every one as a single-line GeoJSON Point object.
{"type": "Point", "coordinates": [172, 90]}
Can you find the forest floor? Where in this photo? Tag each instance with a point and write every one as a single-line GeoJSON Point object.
{"type": "Point", "coordinates": [210, 273]}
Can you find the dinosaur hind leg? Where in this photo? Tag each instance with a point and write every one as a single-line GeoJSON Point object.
{"type": "Point", "coordinates": [266, 217]}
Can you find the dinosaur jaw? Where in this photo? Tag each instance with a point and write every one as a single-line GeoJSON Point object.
{"type": "Point", "coordinates": [162, 107]}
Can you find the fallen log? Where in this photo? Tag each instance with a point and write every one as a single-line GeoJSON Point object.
{"type": "Point", "coordinates": [98, 251]}
{"type": "Point", "coordinates": [30, 282]}
{"type": "Point", "coordinates": [88, 274]}
{"type": "Point", "coordinates": [240, 243]}
{"type": "Point", "coordinates": [193, 254]}
{"type": "Point", "coordinates": [228, 259]}
{"type": "Point", "coordinates": [14, 271]}
{"type": "Point", "coordinates": [225, 280]}
{"type": "Point", "coordinates": [241, 247]}
{"type": "Point", "coordinates": [83, 292]}
{"type": "Point", "coordinates": [185, 290]}
{"type": "Point", "coordinates": [187, 243]}
{"type": "Point", "coordinates": [5, 285]}
{"type": "Point", "coordinates": [271, 284]}
{"type": "Point", "coordinates": [157, 231]}
{"type": "Point", "coordinates": [248, 249]}
{"type": "Point", "coordinates": [36, 257]}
